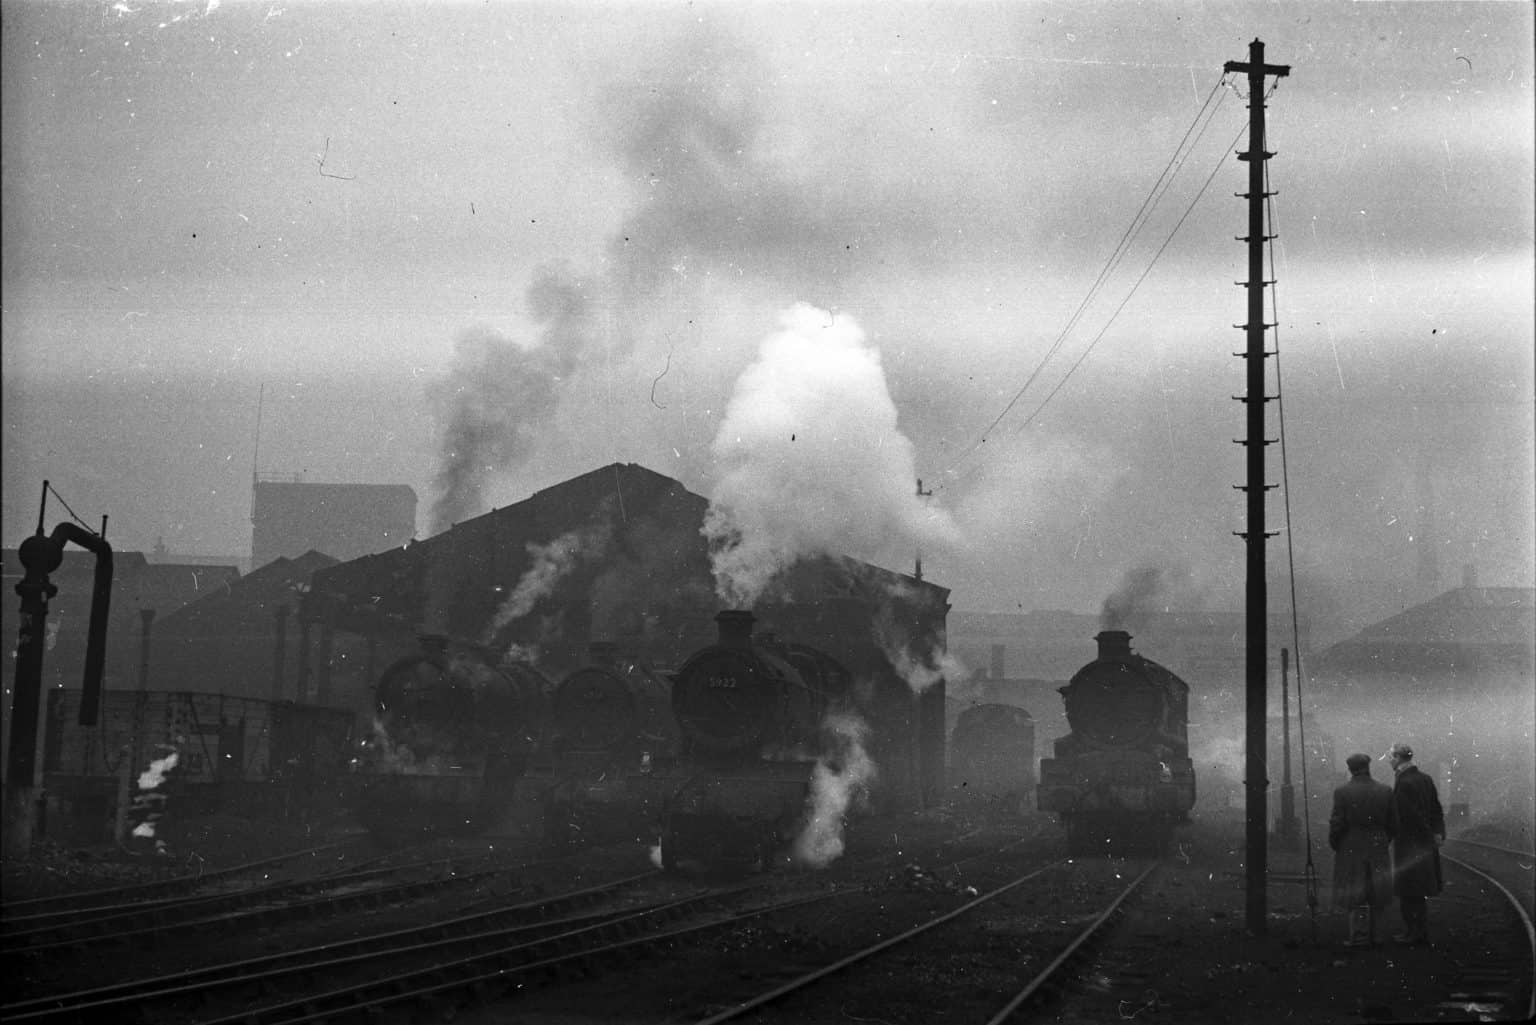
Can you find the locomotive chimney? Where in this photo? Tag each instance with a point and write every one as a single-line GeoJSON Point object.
{"type": "Point", "coordinates": [1113, 643]}
{"type": "Point", "coordinates": [735, 627]}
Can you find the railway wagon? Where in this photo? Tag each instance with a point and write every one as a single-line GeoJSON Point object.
{"type": "Point", "coordinates": [454, 728]}
{"type": "Point", "coordinates": [1122, 778]}
{"type": "Point", "coordinates": [992, 756]}
{"type": "Point", "coordinates": [756, 717]}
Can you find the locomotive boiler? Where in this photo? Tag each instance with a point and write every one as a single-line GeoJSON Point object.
{"type": "Point", "coordinates": [756, 717]}
{"type": "Point", "coordinates": [993, 756]}
{"type": "Point", "coordinates": [613, 743]}
{"type": "Point", "coordinates": [454, 728]}
{"type": "Point", "coordinates": [1122, 778]}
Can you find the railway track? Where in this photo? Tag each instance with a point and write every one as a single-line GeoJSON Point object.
{"type": "Point", "coordinates": [1502, 983]}
{"type": "Point", "coordinates": [505, 960]}
{"type": "Point", "coordinates": [1047, 979]}
{"type": "Point", "coordinates": [149, 922]}
{"type": "Point", "coordinates": [169, 997]}
{"type": "Point", "coordinates": [85, 901]}
{"type": "Point", "coordinates": [466, 960]}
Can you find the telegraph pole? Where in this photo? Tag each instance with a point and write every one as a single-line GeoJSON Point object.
{"type": "Point", "coordinates": [917, 570]}
{"type": "Point", "coordinates": [1256, 780]}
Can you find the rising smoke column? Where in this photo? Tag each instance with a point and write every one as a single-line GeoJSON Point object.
{"type": "Point", "coordinates": [500, 392]}
{"type": "Point", "coordinates": [1147, 590]}
{"type": "Point", "coordinates": [812, 460]}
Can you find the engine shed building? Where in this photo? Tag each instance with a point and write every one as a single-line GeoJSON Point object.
{"type": "Point", "coordinates": [618, 555]}
{"type": "Point", "coordinates": [1454, 677]}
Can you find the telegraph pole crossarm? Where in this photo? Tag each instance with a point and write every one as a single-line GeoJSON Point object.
{"type": "Point", "coordinates": [1256, 691]}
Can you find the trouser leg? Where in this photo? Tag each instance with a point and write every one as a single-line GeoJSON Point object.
{"type": "Point", "coordinates": [1360, 923]}
{"type": "Point", "coordinates": [1415, 918]}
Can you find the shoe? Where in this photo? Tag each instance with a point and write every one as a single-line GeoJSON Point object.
{"type": "Point", "coordinates": [1410, 940]}
{"type": "Point", "coordinates": [1359, 943]}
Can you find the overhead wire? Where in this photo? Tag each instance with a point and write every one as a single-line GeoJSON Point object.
{"type": "Point", "coordinates": [1290, 550]}
{"type": "Point", "coordinates": [1107, 324]}
{"type": "Point", "coordinates": [1138, 221]}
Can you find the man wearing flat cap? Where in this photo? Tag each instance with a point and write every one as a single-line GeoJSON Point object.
{"type": "Point", "coordinates": [1359, 833]}
{"type": "Point", "coordinates": [1418, 830]}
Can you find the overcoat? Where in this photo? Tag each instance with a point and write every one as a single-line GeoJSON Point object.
{"type": "Point", "coordinates": [1358, 834]}
{"type": "Point", "coordinates": [1416, 820]}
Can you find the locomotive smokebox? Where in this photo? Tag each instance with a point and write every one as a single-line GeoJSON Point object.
{"type": "Point", "coordinates": [1113, 643]}
{"type": "Point", "coordinates": [735, 626]}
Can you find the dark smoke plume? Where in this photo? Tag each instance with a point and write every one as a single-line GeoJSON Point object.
{"type": "Point", "coordinates": [499, 393]}
{"type": "Point", "coordinates": [1140, 595]}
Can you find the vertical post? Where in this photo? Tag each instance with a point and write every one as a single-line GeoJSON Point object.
{"type": "Point", "coordinates": [1255, 776]}
{"type": "Point", "coordinates": [1285, 832]}
{"type": "Point", "coordinates": [146, 621]}
{"type": "Point", "coordinates": [301, 687]}
{"type": "Point", "coordinates": [38, 557]}
{"type": "Point", "coordinates": [129, 757]}
{"type": "Point", "coordinates": [917, 569]}
{"type": "Point", "coordinates": [323, 674]}
{"type": "Point", "coordinates": [279, 649]}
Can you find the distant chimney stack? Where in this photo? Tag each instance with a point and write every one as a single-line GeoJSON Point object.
{"type": "Point", "coordinates": [735, 627]}
{"type": "Point", "coordinates": [999, 656]}
{"type": "Point", "coordinates": [1113, 644]}
{"type": "Point", "coordinates": [1469, 575]}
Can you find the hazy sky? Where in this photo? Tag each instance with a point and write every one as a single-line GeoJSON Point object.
{"type": "Point", "coordinates": [480, 248]}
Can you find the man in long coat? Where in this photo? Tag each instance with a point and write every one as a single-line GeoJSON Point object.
{"type": "Point", "coordinates": [1418, 830]}
{"type": "Point", "coordinates": [1358, 832]}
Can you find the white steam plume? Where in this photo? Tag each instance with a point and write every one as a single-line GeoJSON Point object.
{"type": "Point", "coordinates": [552, 562]}
{"type": "Point", "coordinates": [148, 803]}
{"type": "Point", "coordinates": [813, 460]}
{"type": "Point", "coordinates": [152, 777]}
{"type": "Point", "coordinates": [841, 776]}
{"type": "Point", "coordinates": [921, 662]}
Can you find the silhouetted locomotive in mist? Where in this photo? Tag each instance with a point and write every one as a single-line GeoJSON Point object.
{"type": "Point", "coordinates": [1122, 778]}
{"type": "Point", "coordinates": [718, 764]}
{"type": "Point", "coordinates": [613, 750]}
{"type": "Point", "coordinates": [771, 748]}
{"type": "Point", "coordinates": [992, 756]}
{"type": "Point", "coordinates": [454, 729]}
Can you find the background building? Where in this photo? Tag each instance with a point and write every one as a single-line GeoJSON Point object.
{"type": "Point", "coordinates": [1455, 677]}
{"type": "Point", "coordinates": [345, 521]}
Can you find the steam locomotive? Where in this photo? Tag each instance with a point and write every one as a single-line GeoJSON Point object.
{"type": "Point", "coordinates": [454, 729]}
{"type": "Point", "coordinates": [613, 741]}
{"type": "Point", "coordinates": [1122, 777]}
{"type": "Point", "coordinates": [992, 755]}
{"type": "Point", "coordinates": [760, 728]}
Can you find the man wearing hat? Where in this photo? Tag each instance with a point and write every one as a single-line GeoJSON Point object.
{"type": "Point", "coordinates": [1358, 832]}
{"type": "Point", "coordinates": [1418, 830]}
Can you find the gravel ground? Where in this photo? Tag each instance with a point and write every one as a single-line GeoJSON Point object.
{"type": "Point", "coordinates": [193, 845]}
{"type": "Point", "coordinates": [1182, 954]}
